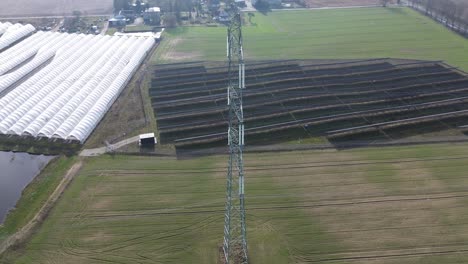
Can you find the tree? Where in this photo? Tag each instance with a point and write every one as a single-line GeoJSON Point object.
{"type": "Point", "coordinates": [384, 2]}
{"type": "Point", "coordinates": [138, 7]}
{"type": "Point", "coordinates": [263, 6]}
{"type": "Point", "coordinates": [170, 20]}
{"type": "Point", "coordinates": [250, 17]}
{"type": "Point", "coordinates": [120, 5]}
{"type": "Point", "coordinates": [450, 12]}
{"type": "Point", "coordinates": [177, 9]}
{"type": "Point", "coordinates": [430, 6]}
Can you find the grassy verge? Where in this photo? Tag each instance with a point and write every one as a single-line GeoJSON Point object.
{"type": "Point", "coordinates": [35, 195]}
{"type": "Point", "coordinates": [138, 28]}
{"type": "Point", "coordinates": [110, 31]}
{"type": "Point", "coordinates": [147, 107]}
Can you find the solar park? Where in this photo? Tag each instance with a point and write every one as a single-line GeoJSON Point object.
{"type": "Point", "coordinates": [396, 204]}
{"type": "Point", "coordinates": [354, 100]}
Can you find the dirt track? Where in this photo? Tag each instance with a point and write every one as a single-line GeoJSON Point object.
{"type": "Point", "coordinates": [25, 232]}
{"type": "Point", "coordinates": [14, 8]}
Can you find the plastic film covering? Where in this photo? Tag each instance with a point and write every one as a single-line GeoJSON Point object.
{"type": "Point", "coordinates": [18, 54]}
{"type": "Point", "coordinates": [71, 82]}
{"type": "Point", "coordinates": [14, 33]}
{"type": "Point", "coordinates": [97, 112]}
{"type": "Point", "coordinates": [43, 55]}
{"type": "Point", "coordinates": [4, 27]}
{"type": "Point", "coordinates": [22, 116]}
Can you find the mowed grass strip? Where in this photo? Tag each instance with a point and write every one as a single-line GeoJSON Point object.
{"type": "Point", "coordinates": [323, 34]}
{"type": "Point", "coordinates": [391, 205]}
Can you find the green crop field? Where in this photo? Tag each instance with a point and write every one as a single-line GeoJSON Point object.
{"type": "Point", "coordinates": [391, 205]}
{"type": "Point", "coordinates": [323, 34]}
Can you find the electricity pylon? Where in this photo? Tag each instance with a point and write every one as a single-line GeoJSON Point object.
{"type": "Point", "coordinates": [235, 242]}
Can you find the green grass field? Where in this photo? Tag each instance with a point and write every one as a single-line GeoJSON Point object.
{"type": "Point", "coordinates": [373, 206]}
{"type": "Point", "coordinates": [324, 34]}
{"type": "Point", "coordinates": [391, 205]}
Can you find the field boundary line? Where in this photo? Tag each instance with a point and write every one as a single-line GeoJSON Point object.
{"type": "Point", "coordinates": [22, 235]}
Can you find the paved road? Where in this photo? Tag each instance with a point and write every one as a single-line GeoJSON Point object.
{"type": "Point", "coordinates": [59, 24]}
{"type": "Point", "coordinates": [103, 150]}
{"type": "Point", "coordinates": [138, 21]}
{"type": "Point", "coordinates": [104, 28]}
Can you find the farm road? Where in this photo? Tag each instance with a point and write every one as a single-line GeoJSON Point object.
{"type": "Point", "coordinates": [103, 150]}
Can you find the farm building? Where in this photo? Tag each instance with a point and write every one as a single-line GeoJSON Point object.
{"type": "Point", "coordinates": [118, 21]}
{"type": "Point", "coordinates": [152, 16]}
{"type": "Point", "coordinates": [147, 140]}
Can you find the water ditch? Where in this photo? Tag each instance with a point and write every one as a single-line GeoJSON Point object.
{"type": "Point", "coordinates": [17, 170]}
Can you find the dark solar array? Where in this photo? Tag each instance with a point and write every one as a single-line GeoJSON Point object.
{"type": "Point", "coordinates": [284, 100]}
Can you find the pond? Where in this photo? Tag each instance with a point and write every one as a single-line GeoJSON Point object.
{"type": "Point", "coordinates": [17, 170]}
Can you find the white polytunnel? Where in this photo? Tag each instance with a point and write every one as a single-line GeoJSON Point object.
{"type": "Point", "coordinates": [9, 34]}
{"type": "Point", "coordinates": [4, 27]}
{"type": "Point", "coordinates": [18, 54]}
{"type": "Point", "coordinates": [60, 85]}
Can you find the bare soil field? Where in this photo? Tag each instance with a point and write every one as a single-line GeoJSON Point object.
{"type": "Point", "coordinates": [340, 3]}
{"type": "Point", "coordinates": [15, 8]}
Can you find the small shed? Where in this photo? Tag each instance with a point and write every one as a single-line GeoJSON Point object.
{"type": "Point", "coordinates": [117, 21]}
{"type": "Point", "coordinates": [147, 140]}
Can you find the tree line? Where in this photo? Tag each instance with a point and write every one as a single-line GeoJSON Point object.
{"type": "Point", "coordinates": [453, 13]}
{"type": "Point", "coordinates": [171, 9]}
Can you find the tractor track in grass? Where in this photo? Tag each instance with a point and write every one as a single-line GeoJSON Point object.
{"type": "Point", "coordinates": [287, 166]}
{"type": "Point", "coordinates": [362, 200]}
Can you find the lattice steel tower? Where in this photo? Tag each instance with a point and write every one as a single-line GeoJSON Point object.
{"type": "Point", "coordinates": [235, 242]}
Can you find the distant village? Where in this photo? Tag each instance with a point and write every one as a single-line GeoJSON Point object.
{"type": "Point", "coordinates": [181, 12]}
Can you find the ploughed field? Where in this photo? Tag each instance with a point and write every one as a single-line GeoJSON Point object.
{"type": "Point", "coordinates": [287, 100]}
{"type": "Point", "coordinates": [15, 8]}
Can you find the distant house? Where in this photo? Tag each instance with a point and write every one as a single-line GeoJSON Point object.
{"type": "Point", "coordinates": [129, 14]}
{"type": "Point", "coordinates": [118, 21]}
{"type": "Point", "coordinates": [152, 16]}
{"type": "Point", "coordinates": [223, 16]}
{"type": "Point", "coordinates": [139, 9]}
{"type": "Point", "coordinates": [240, 3]}
{"type": "Point", "coordinates": [272, 3]}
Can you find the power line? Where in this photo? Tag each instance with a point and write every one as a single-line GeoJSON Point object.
{"type": "Point", "coordinates": [235, 238]}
